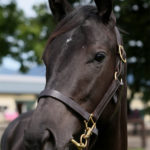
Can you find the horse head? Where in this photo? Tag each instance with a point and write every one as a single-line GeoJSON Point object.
{"type": "Point", "coordinates": [81, 59]}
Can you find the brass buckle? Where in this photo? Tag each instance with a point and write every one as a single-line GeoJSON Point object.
{"type": "Point", "coordinates": [115, 75]}
{"type": "Point", "coordinates": [121, 49]}
{"type": "Point", "coordinates": [84, 137]}
{"type": "Point", "coordinates": [116, 78]}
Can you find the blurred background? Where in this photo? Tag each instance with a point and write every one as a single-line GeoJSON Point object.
{"type": "Point", "coordinates": [24, 29]}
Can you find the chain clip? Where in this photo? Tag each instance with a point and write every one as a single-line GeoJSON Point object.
{"type": "Point", "coordinates": [88, 132]}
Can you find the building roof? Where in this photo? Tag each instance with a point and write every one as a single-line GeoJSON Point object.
{"type": "Point", "coordinates": [21, 84]}
{"type": "Point", "coordinates": [34, 71]}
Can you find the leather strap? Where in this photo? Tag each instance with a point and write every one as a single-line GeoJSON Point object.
{"type": "Point", "coordinates": [106, 99]}
{"type": "Point", "coordinates": [118, 37]}
{"type": "Point", "coordinates": [68, 102]}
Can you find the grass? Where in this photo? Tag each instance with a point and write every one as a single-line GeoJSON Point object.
{"type": "Point", "coordinates": [136, 149]}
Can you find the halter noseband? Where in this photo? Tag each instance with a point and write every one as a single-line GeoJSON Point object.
{"type": "Point", "coordinates": [92, 118]}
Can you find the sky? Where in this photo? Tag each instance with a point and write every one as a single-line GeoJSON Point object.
{"type": "Point", "coordinates": [26, 5]}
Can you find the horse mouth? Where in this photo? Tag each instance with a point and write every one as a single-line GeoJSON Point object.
{"type": "Point", "coordinates": [50, 143]}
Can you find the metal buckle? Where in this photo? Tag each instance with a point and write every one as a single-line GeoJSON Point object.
{"type": "Point", "coordinates": [84, 137]}
{"type": "Point", "coordinates": [121, 49]}
{"type": "Point", "coordinates": [116, 78]}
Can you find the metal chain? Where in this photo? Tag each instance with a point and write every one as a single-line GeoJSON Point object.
{"type": "Point", "coordinates": [84, 137]}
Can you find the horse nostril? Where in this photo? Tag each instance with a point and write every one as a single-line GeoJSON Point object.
{"type": "Point", "coordinates": [36, 140]}
{"type": "Point", "coordinates": [46, 136]}
{"type": "Point", "coordinates": [48, 140]}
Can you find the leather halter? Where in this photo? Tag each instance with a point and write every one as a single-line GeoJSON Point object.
{"type": "Point", "coordinates": [110, 93]}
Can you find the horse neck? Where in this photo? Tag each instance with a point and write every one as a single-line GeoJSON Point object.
{"type": "Point", "coordinates": [113, 135]}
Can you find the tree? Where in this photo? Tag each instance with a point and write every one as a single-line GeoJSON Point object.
{"type": "Point", "coordinates": [134, 18]}
{"type": "Point", "coordinates": [24, 38]}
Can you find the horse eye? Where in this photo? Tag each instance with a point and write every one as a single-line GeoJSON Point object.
{"type": "Point", "coordinates": [99, 57]}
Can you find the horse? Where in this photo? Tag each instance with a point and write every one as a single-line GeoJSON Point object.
{"type": "Point", "coordinates": [83, 105]}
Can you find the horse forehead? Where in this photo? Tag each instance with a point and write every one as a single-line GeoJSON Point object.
{"type": "Point", "coordinates": [68, 41]}
{"type": "Point", "coordinates": [64, 47]}
{"type": "Point", "coordinates": [90, 33]}
{"type": "Point", "coordinates": [98, 35]}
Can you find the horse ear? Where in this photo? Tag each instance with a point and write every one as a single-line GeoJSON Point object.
{"type": "Point", "coordinates": [59, 8]}
{"type": "Point", "coordinates": [104, 9]}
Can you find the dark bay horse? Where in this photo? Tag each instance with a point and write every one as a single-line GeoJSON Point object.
{"type": "Point", "coordinates": [83, 105]}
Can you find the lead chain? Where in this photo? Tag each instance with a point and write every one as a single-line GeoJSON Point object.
{"type": "Point", "coordinates": [84, 137]}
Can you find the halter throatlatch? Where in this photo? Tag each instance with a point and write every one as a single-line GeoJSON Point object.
{"type": "Point", "coordinates": [91, 119]}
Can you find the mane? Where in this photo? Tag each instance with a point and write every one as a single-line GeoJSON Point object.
{"type": "Point", "coordinates": [72, 20]}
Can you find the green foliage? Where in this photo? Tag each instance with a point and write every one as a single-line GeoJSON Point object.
{"type": "Point", "coordinates": [136, 149]}
{"type": "Point", "coordinates": [24, 38]}
{"type": "Point", "coordinates": [8, 27]}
